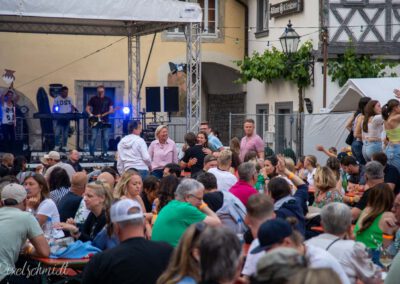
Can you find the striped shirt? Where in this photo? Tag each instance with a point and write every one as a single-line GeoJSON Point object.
{"type": "Point", "coordinates": [58, 193]}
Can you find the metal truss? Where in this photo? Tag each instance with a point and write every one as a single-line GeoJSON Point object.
{"type": "Point", "coordinates": [134, 75]}
{"type": "Point", "coordinates": [193, 80]}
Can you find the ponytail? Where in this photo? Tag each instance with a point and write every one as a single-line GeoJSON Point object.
{"type": "Point", "coordinates": [385, 112]}
{"type": "Point", "coordinates": [387, 108]}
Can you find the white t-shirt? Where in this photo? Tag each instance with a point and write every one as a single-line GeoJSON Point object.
{"type": "Point", "coordinates": [320, 258]}
{"type": "Point", "coordinates": [225, 180]}
{"type": "Point", "coordinates": [7, 114]}
{"type": "Point", "coordinates": [64, 104]}
{"type": "Point", "coordinates": [250, 266]}
{"type": "Point", "coordinates": [310, 177]}
{"type": "Point", "coordinates": [48, 208]}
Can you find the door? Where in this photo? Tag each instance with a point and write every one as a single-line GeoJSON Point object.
{"type": "Point", "coordinates": [89, 92]}
{"type": "Point", "coordinates": [283, 126]}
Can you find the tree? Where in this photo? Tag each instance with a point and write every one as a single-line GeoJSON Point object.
{"type": "Point", "coordinates": [350, 65]}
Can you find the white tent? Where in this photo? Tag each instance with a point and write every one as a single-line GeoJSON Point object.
{"type": "Point", "coordinates": [380, 89]}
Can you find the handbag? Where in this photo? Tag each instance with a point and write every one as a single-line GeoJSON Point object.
{"type": "Point", "coordinates": [350, 138]}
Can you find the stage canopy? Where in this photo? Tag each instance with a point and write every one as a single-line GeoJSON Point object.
{"type": "Point", "coordinates": [380, 89]}
{"type": "Point", "coordinates": [90, 17]}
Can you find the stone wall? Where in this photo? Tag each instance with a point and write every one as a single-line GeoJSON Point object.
{"type": "Point", "coordinates": [219, 107]}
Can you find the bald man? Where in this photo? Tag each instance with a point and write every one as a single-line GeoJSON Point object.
{"type": "Point", "coordinates": [108, 178]}
{"type": "Point", "coordinates": [69, 204]}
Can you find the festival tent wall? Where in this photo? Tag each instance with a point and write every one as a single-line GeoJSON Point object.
{"type": "Point", "coordinates": [328, 129]}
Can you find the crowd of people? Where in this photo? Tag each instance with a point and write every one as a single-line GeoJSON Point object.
{"type": "Point", "coordinates": [216, 214]}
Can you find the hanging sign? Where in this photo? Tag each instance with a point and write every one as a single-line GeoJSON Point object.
{"type": "Point", "coordinates": [286, 8]}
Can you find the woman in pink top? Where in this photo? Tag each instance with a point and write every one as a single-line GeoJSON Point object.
{"type": "Point", "coordinates": [162, 151]}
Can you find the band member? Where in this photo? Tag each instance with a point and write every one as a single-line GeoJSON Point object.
{"type": "Point", "coordinates": [62, 104]}
{"type": "Point", "coordinates": [8, 121]}
{"type": "Point", "coordinates": [99, 106]}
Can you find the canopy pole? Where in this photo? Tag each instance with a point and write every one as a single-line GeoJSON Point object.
{"type": "Point", "coordinates": [193, 79]}
{"type": "Point", "coordinates": [134, 75]}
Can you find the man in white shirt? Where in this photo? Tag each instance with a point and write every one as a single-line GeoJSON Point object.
{"type": "Point", "coordinates": [225, 179]}
{"type": "Point", "coordinates": [62, 104]}
{"type": "Point", "coordinates": [259, 210]}
{"type": "Point", "coordinates": [54, 160]}
{"type": "Point", "coordinates": [278, 233]}
{"type": "Point", "coordinates": [353, 256]}
{"type": "Point", "coordinates": [132, 151]}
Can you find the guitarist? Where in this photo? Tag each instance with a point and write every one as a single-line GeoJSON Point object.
{"type": "Point", "coordinates": [99, 107]}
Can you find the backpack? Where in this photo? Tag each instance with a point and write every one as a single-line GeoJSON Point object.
{"type": "Point", "coordinates": [232, 213]}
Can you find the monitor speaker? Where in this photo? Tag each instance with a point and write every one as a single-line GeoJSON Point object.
{"type": "Point", "coordinates": [171, 99]}
{"type": "Point", "coordinates": [153, 100]}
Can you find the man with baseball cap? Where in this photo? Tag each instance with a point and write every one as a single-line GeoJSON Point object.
{"type": "Point", "coordinates": [278, 233]}
{"type": "Point", "coordinates": [54, 160]}
{"type": "Point", "coordinates": [135, 259]}
{"type": "Point", "coordinates": [20, 226]}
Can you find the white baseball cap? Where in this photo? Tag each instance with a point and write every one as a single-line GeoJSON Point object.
{"type": "Point", "coordinates": [122, 210]}
{"type": "Point", "coordinates": [13, 191]}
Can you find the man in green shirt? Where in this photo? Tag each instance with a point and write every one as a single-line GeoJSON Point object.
{"type": "Point", "coordinates": [187, 208]}
{"type": "Point", "coordinates": [20, 226]}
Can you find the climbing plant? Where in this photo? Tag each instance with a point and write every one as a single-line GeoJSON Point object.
{"type": "Point", "coordinates": [274, 64]}
{"type": "Point", "coordinates": [350, 65]}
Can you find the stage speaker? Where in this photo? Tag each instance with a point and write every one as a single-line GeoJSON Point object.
{"type": "Point", "coordinates": [153, 100]}
{"type": "Point", "coordinates": [171, 99]}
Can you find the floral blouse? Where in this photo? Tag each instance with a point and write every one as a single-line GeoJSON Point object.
{"type": "Point", "coordinates": [323, 198]}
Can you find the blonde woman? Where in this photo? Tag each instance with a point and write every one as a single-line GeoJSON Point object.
{"type": "Point", "coordinates": [130, 186]}
{"type": "Point", "coordinates": [325, 183]}
{"type": "Point", "coordinates": [97, 198]}
{"type": "Point", "coordinates": [162, 151]}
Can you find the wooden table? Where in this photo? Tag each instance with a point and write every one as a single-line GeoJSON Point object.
{"type": "Point", "coordinates": [78, 263]}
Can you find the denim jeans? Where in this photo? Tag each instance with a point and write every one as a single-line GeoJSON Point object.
{"type": "Point", "coordinates": [370, 148]}
{"type": "Point", "coordinates": [143, 173]}
{"type": "Point", "coordinates": [356, 149]}
{"type": "Point", "coordinates": [61, 133]}
{"type": "Point", "coordinates": [104, 135]}
{"type": "Point", "coordinates": [158, 173]}
{"type": "Point", "coordinates": [393, 155]}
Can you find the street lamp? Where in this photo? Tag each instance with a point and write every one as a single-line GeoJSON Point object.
{"type": "Point", "coordinates": [289, 39]}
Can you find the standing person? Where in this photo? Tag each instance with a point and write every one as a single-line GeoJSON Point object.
{"type": "Point", "coordinates": [372, 129]}
{"type": "Point", "coordinates": [62, 104]}
{"type": "Point", "coordinates": [355, 126]}
{"type": "Point", "coordinates": [132, 151]}
{"type": "Point", "coordinates": [194, 155]}
{"type": "Point", "coordinates": [8, 121]}
{"type": "Point", "coordinates": [213, 141]}
{"type": "Point", "coordinates": [20, 226]}
{"type": "Point", "coordinates": [162, 151]}
{"type": "Point", "coordinates": [251, 141]}
{"type": "Point", "coordinates": [100, 106]}
{"type": "Point", "coordinates": [135, 259]}
{"type": "Point", "coordinates": [310, 164]}
{"type": "Point", "coordinates": [391, 115]}
{"type": "Point", "coordinates": [73, 160]}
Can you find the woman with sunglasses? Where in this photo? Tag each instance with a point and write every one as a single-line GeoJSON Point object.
{"type": "Point", "coordinates": [97, 198]}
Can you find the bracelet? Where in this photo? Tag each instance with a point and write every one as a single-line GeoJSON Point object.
{"type": "Point", "coordinates": [203, 205]}
{"type": "Point", "coordinates": [387, 237]}
{"type": "Point", "coordinates": [290, 176]}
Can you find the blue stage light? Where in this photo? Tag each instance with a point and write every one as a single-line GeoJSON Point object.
{"type": "Point", "coordinates": [56, 108]}
{"type": "Point", "coordinates": [126, 110]}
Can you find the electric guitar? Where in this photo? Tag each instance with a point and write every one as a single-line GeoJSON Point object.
{"type": "Point", "coordinates": [95, 121]}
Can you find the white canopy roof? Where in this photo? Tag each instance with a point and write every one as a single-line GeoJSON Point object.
{"type": "Point", "coordinates": [380, 89]}
{"type": "Point", "coordinates": [105, 17]}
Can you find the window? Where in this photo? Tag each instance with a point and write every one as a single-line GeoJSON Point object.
{"type": "Point", "coordinates": [262, 18]}
{"type": "Point", "coordinates": [210, 18]}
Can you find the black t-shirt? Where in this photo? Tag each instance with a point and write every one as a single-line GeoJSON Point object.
{"type": "Point", "coordinates": [363, 201]}
{"type": "Point", "coordinates": [214, 200]}
{"type": "Point", "coordinates": [135, 260]}
{"type": "Point", "coordinates": [77, 167]}
{"type": "Point", "coordinates": [360, 177]}
{"type": "Point", "coordinates": [195, 151]}
{"type": "Point", "coordinates": [4, 171]}
{"type": "Point", "coordinates": [92, 226]}
{"type": "Point", "coordinates": [100, 106]}
{"type": "Point", "coordinates": [392, 176]}
{"type": "Point", "coordinates": [68, 205]}
{"type": "Point", "coordinates": [147, 204]}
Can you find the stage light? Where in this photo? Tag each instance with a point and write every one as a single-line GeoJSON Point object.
{"type": "Point", "coordinates": [56, 108]}
{"type": "Point", "coordinates": [126, 110]}
{"type": "Point", "coordinates": [174, 68]}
